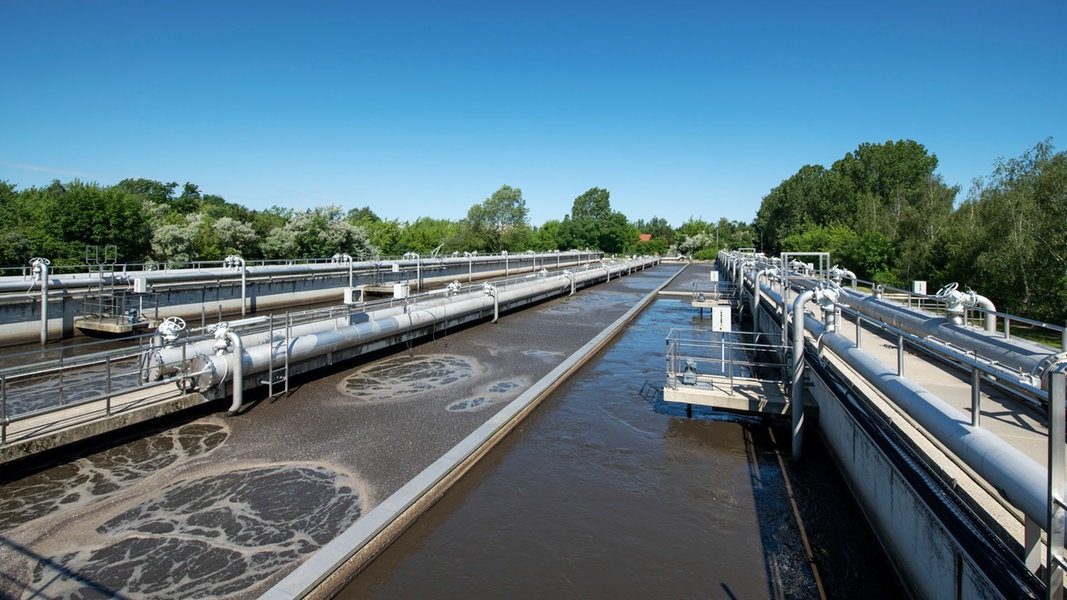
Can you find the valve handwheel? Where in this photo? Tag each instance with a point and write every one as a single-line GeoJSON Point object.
{"type": "Point", "coordinates": [947, 289]}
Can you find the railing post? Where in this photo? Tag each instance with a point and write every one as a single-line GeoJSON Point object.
{"type": "Point", "coordinates": [1056, 462]}
{"type": "Point", "coordinates": [900, 355]}
{"type": "Point", "coordinates": [107, 365]}
{"type": "Point", "coordinates": [3, 409]}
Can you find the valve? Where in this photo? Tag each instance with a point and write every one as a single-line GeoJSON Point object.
{"type": "Point", "coordinates": [171, 329]}
{"type": "Point", "coordinates": [689, 375]}
{"type": "Point", "coordinates": [454, 288]}
{"type": "Point", "coordinates": [222, 340]}
{"type": "Point", "coordinates": [954, 300]}
{"type": "Point", "coordinates": [837, 274]}
{"type": "Point", "coordinates": [39, 268]}
{"type": "Point", "coordinates": [234, 261]}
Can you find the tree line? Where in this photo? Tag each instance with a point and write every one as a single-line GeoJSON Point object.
{"type": "Point", "coordinates": [167, 223]}
{"type": "Point", "coordinates": [882, 211]}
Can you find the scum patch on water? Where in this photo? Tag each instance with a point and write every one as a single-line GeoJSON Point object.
{"type": "Point", "coordinates": [216, 536]}
{"type": "Point", "coordinates": [501, 391]}
{"type": "Point", "coordinates": [95, 477]}
{"type": "Point", "coordinates": [561, 310]}
{"type": "Point", "coordinates": [543, 354]}
{"type": "Point", "coordinates": [404, 377]}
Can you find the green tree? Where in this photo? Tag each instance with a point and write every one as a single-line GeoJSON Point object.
{"type": "Point", "coordinates": [594, 205]}
{"type": "Point", "coordinates": [505, 210]}
{"type": "Point", "coordinates": [320, 232]}
{"type": "Point", "coordinates": [1020, 258]}
{"type": "Point", "coordinates": [426, 235]}
{"type": "Point", "coordinates": [87, 214]}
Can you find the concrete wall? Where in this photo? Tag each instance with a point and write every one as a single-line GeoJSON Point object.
{"type": "Point", "coordinates": [925, 554]}
{"type": "Point", "coordinates": [927, 557]}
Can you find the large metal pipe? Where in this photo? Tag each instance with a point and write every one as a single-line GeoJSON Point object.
{"type": "Point", "coordinates": [40, 270]}
{"type": "Point", "coordinates": [238, 371]}
{"type": "Point", "coordinates": [1020, 480]}
{"type": "Point", "coordinates": [309, 341]}
{"type": "Point", "coordinates": [797, 389]}
{"type": "Point", "coordinates": [1020, 354]}
{"type": "Point", "coordinates": [153, 277]}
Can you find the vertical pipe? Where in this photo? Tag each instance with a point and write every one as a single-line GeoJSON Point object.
{"type": "Point", "coordinates": [238, 372]}
{"type": "Point", "coordinates": [797, 389]}
{"type": "Point", "coordinates": [44, 304]}
{"type": "Point", "coordinates": [1057, 460]}
{"type": "Point", "coordinates": [976, 397]}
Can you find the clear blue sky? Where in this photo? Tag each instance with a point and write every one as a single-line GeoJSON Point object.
{"type": "Point", "coordinates": [678, 108]}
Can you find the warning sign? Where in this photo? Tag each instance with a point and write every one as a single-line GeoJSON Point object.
{"type": "Point", "coordinates": [720, 319]}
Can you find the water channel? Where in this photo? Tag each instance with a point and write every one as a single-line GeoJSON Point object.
{"type": "Point", "coordinates": [605, 491]}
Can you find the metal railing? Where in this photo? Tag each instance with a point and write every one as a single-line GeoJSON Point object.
{"type": "Point", "coordinates": [705, 358]}
{"type": "Point", "coordinates": [77, 375]}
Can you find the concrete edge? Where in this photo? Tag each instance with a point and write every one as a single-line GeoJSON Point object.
{"type": "Point", "coordinates": [333, 565]}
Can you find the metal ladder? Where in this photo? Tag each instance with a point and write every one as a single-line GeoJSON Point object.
{"type": "Point", "coordinates": [278, 376]}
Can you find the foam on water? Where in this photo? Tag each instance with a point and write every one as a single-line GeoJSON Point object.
{"type": "Point", "coordinates": [92, 478]}
{"type": "Point", "coordinates": [501, 391]}
{"type": "Point", "coordinates": [405, 377]}
{"type": "Point", "coordinates": [206, 537]}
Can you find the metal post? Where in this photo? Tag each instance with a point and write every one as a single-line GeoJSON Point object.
{"type": "Point", "coordinates": [976, 397]}
{"type": "Point", "coordinates": [900, 355]}
{"type": "Point", "coordinates": [107, 363]}
{"type": "Point", "coordinates": [859, 328]}
{"type": "Point", "coordinates": [3, 408]}
{"type": "Point", "coordinates": [1056, 461]}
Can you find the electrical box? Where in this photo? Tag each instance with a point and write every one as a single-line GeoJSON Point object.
{"type": "Point", "coordinates": [396, 267]}
{"type": "Point", "coordinates": [140, 285]}
{"type": "Point", "coordinates": [353, 295]}
{"type": "Point", "coordinates": [401, 290]}
{"type": "Point", "coordinates": [714, 276]}
{"type": "Point", "coordinates": [918, 287]}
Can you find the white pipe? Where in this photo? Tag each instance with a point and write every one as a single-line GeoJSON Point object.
{"type": "Point", "coordinates": [314, 339]}
{"type": "Point", "coordinates": [1020, 480]}
{"type": "Point", "coordinates": [238, 371]}
{"type": "Point", "coordinates": [797, 388]}
{"type": "Point", "coordinates": [41, 266]}
{"type": "Point", "coordinates": [990, 319]}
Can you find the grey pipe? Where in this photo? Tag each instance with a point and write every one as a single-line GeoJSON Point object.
{"type": "Point", "coordinates": [330, 335]}
{"type": "Point", "coordinates": [755, 288]}
{"type": "Point", "coordinates": [82, 280]}
{"type": "Point", "coordinates": [43, 264]}
{"type": "Point", "coordinates": [1017, 478]}
{"type": "Point", "coordinates": [797, 389]}
{"type": "Point", "coordinates": [238, 372]}
{"type": "Point", "coordinates": [1020, 354]}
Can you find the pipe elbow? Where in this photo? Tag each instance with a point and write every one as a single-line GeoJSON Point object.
{"type": "Point", "coordinates": [238, 372]}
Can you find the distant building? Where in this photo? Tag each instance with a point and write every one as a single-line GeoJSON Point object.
{"type": "Point", "coordinates": [645, 237]}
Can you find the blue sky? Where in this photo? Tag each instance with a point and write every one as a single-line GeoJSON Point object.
{"type": "Point", "coordinates": [679, 108]}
